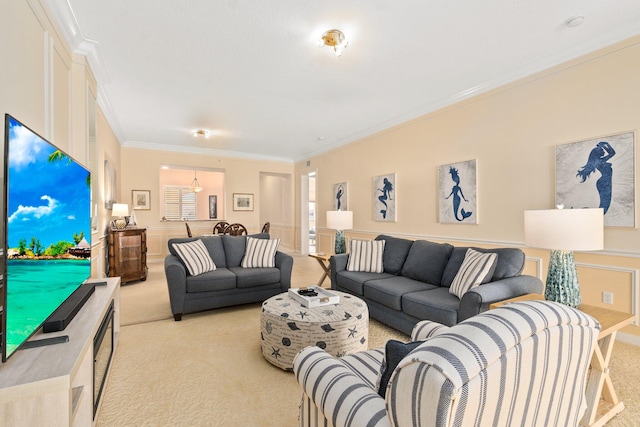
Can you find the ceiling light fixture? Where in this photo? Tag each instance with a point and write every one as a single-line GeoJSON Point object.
{"type": "Point", "coordinates": [574, 21]}
{"type": "Point", "coordinates": [195, 185]}
{"type": "Point", "coordinates": [201, 133]}
{"type": "Point", "coordinates": [335, 39]}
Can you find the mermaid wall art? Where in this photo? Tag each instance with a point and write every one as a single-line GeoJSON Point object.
{"type": "Point", "coordinates": [340, 197]}
{"type": "Point", "coordinates": [458, 193]}
{"type": "Point", "coordinates": [384, 197]}
{"type": "Point", "coordinates": [598, 173]}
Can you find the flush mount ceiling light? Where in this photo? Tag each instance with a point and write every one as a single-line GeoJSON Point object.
{"type": "Point", "coordinates": [574, 21]}
{"type": "Point", "coordinates": [201, 133]}
{"type": "Point", "coordinates": [335, 39]}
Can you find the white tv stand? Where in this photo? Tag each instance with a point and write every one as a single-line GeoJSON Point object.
{"type": "Point", "coordinates": [53, 385]}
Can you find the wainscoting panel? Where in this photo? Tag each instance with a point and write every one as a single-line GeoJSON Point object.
{"type": "Point", "coordinates": [156, 245]}
{"type": "Point", "coordinates": [594, 279]}
{"type": "Point", "coordinates": [533, 267]}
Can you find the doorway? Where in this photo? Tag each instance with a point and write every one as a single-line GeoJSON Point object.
{"type": "Point", "coordinates": [276, 206]}
{"type": "Point", "coordinates": [308, 213]}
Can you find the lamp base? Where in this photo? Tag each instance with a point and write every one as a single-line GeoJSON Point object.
{"type": "Point", "coordinates": [562, 279]}
{"type": "Point", "coordinates": [120, 224]}
{"type": "Point", "coordinates": [340, 246]}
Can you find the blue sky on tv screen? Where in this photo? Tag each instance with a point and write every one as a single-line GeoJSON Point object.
{"type": "Point", "coordinates": [48, 200]}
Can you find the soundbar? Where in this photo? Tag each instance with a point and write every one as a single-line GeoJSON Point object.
{"type": "Point", "coordinates": [61, 318]}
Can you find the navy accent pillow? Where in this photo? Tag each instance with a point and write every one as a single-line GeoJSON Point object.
{"type": "Point", "coordinates": [394, 352]}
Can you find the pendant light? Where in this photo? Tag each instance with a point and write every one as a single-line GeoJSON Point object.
{"type": "Point", "coordinates": [195, 186]}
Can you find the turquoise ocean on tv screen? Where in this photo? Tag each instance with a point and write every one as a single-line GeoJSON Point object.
{"type": "Point", "coordinates": [30, 292]}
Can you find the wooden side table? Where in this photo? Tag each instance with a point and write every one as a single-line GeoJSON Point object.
{"type": "Point", "coordinates": [323, 260]}
{"type": "Point", "coordinates": [128, 254]}
{"type": "Point", "coordinates": [602, 401]}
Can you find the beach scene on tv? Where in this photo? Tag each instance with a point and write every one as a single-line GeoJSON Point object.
{"type": "Point", "coordinates": [48, 231]}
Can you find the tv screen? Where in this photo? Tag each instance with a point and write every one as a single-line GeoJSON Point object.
{"type": "Point", "coordinates": [47, 221]}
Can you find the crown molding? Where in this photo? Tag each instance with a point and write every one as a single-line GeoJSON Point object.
{"type": "Point", "coordinates": [203, 151]}
{"type": "Point", "coordinates": [62, 15]}
{"type": "Point", "coordinates": [537, 66]}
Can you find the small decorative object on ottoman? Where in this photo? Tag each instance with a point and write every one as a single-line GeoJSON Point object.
{"type": "Point", "coordinates": [287, 326]}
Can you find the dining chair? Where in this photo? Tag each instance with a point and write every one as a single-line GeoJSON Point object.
{"type": "Point", "coordinates": [236, 229]}
{"type": "Point", "coordinates": [220, 227]}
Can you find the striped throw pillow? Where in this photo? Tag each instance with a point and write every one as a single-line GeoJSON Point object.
{"type": "Point", "coordinates": [366, 255]}
{"type": "Point", "coordinates": [195, 256]}
{"type": "Point", "coordinates": [260, 253]}
{"type": "Point", "coordinates": [477, 268]}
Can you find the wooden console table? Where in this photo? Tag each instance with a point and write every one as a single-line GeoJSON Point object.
{"type": "Point", "coordinates": [323, 260]}
{"type": "Point", "coordinates": [602, 401]}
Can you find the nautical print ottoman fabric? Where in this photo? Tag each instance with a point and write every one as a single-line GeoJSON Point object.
{"type": "Point", "coordinates": [286, 327]}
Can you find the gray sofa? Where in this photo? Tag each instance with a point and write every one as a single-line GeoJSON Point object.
{"type": "Point", "coordinates": [230, 284]}
{"type": "Point", "coordinates": [414, 285]}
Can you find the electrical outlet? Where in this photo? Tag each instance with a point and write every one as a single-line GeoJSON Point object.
{"type": "Point", "coordinates": [607, 297]}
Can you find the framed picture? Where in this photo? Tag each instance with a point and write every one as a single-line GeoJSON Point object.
{"type": "Point", "coordinates": [599, 173]}
{"type": "Point", "coordinates": [242, 201]}
{"type": "Point", "coordinates": [384, 198]}
{"type": "Point", "coordinates": [457, 193]}
{"type": "Point", "coordinates": [340, 197]}
{"type": "Point", "coordinates": [141, 199]}
{"type": "Point", "coordinates": [213, 207]}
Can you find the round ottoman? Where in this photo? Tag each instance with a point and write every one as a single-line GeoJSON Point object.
{"type": "Point", "coordinates": [286, 327]}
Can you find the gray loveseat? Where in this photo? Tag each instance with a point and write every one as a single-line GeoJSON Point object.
{"type": "Point", "coordinates": [415, 283]}
{"type": "Point", "coordinates": [230, 284]}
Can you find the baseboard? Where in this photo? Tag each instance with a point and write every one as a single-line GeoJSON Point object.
{"type": "Point", "coordinates": [628, 338]}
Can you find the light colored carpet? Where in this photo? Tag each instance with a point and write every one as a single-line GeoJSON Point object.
{"type": "Point", "coordinates": [207, 370]}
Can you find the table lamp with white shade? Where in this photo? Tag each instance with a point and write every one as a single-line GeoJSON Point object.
{"type": "Point", "coordinates": [120, 210]}
{"type": "Point", "coordinates": [340, 221]}
{"type": "Point", "coordinates": [564, 231]}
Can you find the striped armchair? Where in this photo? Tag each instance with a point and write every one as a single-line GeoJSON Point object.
{"type": "Point", "coordinates": [522, 364]}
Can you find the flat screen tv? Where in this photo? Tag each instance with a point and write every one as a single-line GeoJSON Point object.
{"type": "Point", "coordinates": [46, 232]}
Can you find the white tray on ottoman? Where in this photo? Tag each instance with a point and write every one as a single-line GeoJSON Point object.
{"type": "Point", "coordinates": [324, 297]}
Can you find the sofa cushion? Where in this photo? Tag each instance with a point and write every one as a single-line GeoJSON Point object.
{"type": "Point", "coordinates": [212, 243]}
{"type": "Point", "coordinates": [250, 277]}
{"type": "Point", "coordinates": [234, 247]}
{"type": "Point", "coordinates": [426, 261]}
{"type": "Point", "coordinates": [395, 253]}
{"type": "Point", "coordinates": [195, 256]}
{"type": "Point", "coordinates": [510, 263]}
{"type": "Point", "coordinates": [394, 352]}
{"type": "Point", "coordinates": [477, 268]}
{"type": "Point", "coordinates": [435, 304]}
{"type": "Point", "coordinates": [352, 281]}
{"type": "Point", "coordinates": [219, 279]}
{"type": "Point", "coordinates": [389, 291]}
{"type": "Point", "coordinates": [366, 255]}
{"type": "Point", "coordinates": [260, 253]}
{"type": "Point", "coordinates": [216, 249]}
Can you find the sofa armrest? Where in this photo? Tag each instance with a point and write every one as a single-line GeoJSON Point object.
{"type": "Point", "coordinates": [284, 262]}
{"type": "Point", "coordinates": [479, 298]}
{"type": "Point", "coordinates": [339, 395]}
{"type": "Point", "coordinates": [337, 263]}
{"type": "Point", "coordinates": [176, 275]}
{"type": "Point", "coordinates": [427, 328]}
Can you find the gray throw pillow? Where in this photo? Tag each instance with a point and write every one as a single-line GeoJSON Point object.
{"type": "Point", "coordinates": [477, 268]}
{"type": "Point", "coordinates": [426, 261]}
{"type": "Point", "coordinates": [195, 257]}
{"type": "Point", "coordinates": [260, 253]}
